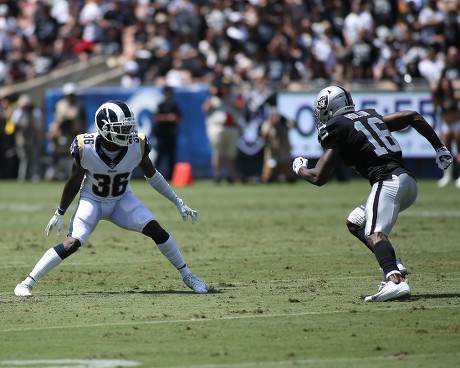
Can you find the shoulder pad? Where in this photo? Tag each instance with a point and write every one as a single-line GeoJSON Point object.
{"type": "Point", "coordinates": [145, 145]}
{"type": "Point", "coordinates": [76, 148]}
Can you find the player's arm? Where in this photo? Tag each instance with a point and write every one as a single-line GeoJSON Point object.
{"type": "Point", "coordinates": [71, 188]}
{"type": "Point", "coordinates": [159, 183]}
{"type": "Point", "coordinates": [402, 119]}
{"type": "Point", "coordinates": [320, 174]}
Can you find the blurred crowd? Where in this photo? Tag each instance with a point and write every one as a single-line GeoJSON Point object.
{"type": "Point", "coordinates": [184, 41]}
{"type": "Point", "coordinates": [282, 43]}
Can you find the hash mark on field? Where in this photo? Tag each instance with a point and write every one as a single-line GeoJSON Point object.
{"type": "Point", "coordinates": [224, 318]}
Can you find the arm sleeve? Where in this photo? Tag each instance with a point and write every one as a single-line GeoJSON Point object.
{"type": "Point", "coordinates": [158, 182]}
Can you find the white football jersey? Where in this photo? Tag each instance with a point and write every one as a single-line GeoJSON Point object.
{"type": "Point", "coordinates": [107, 179]}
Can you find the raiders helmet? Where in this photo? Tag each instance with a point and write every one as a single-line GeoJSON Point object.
{"type": "Point", "coordinates": [115, 122]}
{"type": "Point", "coordinates": [332, 101]}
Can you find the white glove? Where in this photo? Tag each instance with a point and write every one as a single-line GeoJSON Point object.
{"type": "Point", "coordinates": [298, 163]}
{"type": "Point", "coordinates": [185, 211]}
{"type": "Point", "coordinates": [55, 221]}
{"type": "Point", "coordinates": [443, 158]}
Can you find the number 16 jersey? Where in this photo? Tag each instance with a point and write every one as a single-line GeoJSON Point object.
{"type": "Point", "coordinates": [107, 179]}
{"type": "Point", "coordinates": [366, 144]}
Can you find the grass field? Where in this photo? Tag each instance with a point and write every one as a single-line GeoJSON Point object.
{"type": "Point", "coordinates": [287, 283]}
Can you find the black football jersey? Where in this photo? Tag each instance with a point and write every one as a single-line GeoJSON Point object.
{"type": "Point", "coordinates": [366, 144]}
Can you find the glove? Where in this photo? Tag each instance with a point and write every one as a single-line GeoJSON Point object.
{"type": "Point", "coordinates": [443, 158]}
{"type": "Point", "coordinates": [185, 211]}
{"type": "Point", "coordinates": [56, 220]}
{"type": "Point", "coordinates": [298, 163]}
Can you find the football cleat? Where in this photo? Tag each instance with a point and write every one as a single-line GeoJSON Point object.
{"type": "Point", "coordinates": [390, 291]}
{"type": "Point", "coordinates": [195, 284]}
{"type": "Point", "coordinates": [23, 290]}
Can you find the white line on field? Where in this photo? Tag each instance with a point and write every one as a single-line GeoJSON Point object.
{"type": "Point", "coordinates": [224, 318]}
{"type": "Point", "coordinates": [296, 362]}
{"type": "Point", "coordinates": [430, 214]}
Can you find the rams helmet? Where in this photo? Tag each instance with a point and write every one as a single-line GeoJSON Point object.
{"type": "Point", "coordinates": [115, 122]}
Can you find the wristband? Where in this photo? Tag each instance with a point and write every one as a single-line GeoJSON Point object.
{"type": "Point", "coordinates": [60, 209]}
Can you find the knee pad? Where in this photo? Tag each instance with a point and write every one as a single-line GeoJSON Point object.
{"type": "Point", "coordinates": [358, 216]}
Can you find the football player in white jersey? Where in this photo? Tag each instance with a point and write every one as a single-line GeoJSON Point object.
{"type": "Point", "coordinates": [101, 172]}
{"type": "Point", "coordinates": [364, 141]}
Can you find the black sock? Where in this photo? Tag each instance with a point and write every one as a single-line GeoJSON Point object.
{"type": "Point", "coordinates": [386, 256]}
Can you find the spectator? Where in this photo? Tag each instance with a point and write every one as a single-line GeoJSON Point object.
{"type": "Point", "coordinates": [130, 78]}
{"type": "Point", "coordinates": [446, 104]}
{"type": "Point", "coordinates": [431, 65]}
{"type": "Point", "coordinates": [222, 111]}
{"type": "Point", "coordinates": [167, 118]}
{"type": "Point", "coordinates": [178, 75]}
{"type": "Point", "coordinates": [358, 19]}
{"type": "Point", "coordinates": [28, 123]}
{"type": "Point", "coordinates": [430, 19]}
{"type": "Point", "coordinates": [277, 164]}
{"type": "Point", "coordinates": [452, 66]}
{"type": "Point", "coordinates": [68, 122]}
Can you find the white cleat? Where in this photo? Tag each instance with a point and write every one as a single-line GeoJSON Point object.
{"type": "Point", "coordinates": [23, 290]}
{"type": "Point", "coordinates": [390, 291]}
{"type": "Point", "coordinates": [195, 284]}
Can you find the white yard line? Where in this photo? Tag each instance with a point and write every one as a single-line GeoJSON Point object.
{"type": "Point", "coordinates": [332, 361]}
{"type": "Point", "coordinates": [224, 318]}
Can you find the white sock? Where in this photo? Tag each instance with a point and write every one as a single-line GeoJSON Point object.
{"type": "Point", "coordinates": [172, 253]}
{"type": "Point", "coordinates": [49, 260]}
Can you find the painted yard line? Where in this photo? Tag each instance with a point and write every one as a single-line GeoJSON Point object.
{"type": "Point", "coordinates": [98, 363]}
{"type": "Point", "coordinates": [430, 213]}
{"type": "Point", "coordinates": [225, 318]}
{"type": "Point", "coordinates": [21, 207]}
{"type": "Point", "coordinates": [296, 362]}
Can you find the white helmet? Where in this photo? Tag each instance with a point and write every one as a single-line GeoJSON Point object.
{"type": "Point", "coordinates": [332, 101]}
{"type": "Point", "coordinates": [115, 121]}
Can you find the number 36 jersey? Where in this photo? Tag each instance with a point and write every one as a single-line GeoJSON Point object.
{"type": "Point", "coordinates": [366, 144]}
{"type": "Point", "coordinates": [107, 179]}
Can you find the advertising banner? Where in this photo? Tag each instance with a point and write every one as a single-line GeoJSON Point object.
{"type": "Point", "coordinates": [299, 108]}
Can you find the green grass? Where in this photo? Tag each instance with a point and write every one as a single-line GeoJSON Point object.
{"type": "Point", "coordinates": [287, 281]}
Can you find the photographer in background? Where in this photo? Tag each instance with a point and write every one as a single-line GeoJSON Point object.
{"type": "Point", "coordinates": [223, 111]}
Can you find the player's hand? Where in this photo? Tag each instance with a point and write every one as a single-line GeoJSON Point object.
{"type": "Point", "coordinates": [443, 158]}
{"type": "Point", "coordinates": [298, 163]}
{"type": "Point", "coordinates": [185, 211]}
{"type": "Point", "coordinates": [56, 220]}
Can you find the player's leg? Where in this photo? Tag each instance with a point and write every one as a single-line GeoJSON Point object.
{"type": "Point", "coordinates": [356, 221]}
{"type": "Point", "coordinates": [83, 222]}
{"type": "Point", "coordinates": [131, 214]}
{"type": "Point", "coordinates": [382, 208]}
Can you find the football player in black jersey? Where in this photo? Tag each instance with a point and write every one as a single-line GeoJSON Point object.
{"type": "Point", "coordinates": [364, 141]}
